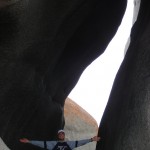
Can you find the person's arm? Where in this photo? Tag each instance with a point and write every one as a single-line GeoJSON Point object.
{"type": "Point", "coordinates": [83, 142]}
{"type": "Point", "coordinates": [78, 143]}
{"type": "Point", "coordinates": [37, 143]}
{"type": "Point", "coordinates": [50, 144]}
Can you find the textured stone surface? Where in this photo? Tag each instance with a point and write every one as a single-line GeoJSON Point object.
{"type": "Point", "coordinates": [79, 124]}
{"type": "Point", "coordinates": [44, 47]}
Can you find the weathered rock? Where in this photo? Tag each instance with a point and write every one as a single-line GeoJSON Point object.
{"type": "Point", "coordinates": [126, 121]}
{"type": "Point", "coordinates": [79, 124]}
{"type": "Point", "coordinates": [44, 47]}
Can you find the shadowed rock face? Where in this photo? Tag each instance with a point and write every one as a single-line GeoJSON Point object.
{"type": "Point", "coordinates": [44, 47]}
{"type": "Point", "coordinates": [5, 3]}
{"type": "Point", "coordinates": [126, 121]}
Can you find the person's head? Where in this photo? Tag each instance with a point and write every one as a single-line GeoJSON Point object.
{"type": "Point", "coordinates": [61, 135]}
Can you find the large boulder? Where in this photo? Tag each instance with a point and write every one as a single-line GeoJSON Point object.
{"type": "Point", "coordinates": [126, 121]}
{"type": "Point", "coordinates": [79, 124]}
{"type": "Point", "coordinates": [45, 45]}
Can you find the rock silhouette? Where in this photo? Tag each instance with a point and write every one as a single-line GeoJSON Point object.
{"type": "Point", "coordinates": [46, 45]}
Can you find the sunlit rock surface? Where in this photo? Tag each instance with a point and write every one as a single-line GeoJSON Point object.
{"type": "Point", "coordinates": [45, 45]}
{"type": "Point", "coordinates": [3, 146]}
{"type": "Point", "coordinates": [79, 124]}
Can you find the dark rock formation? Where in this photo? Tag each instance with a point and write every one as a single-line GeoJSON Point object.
{"type": "Point", "coordinates": [79, 124]}
{"type": "Point", "coordinates": [126, 121]}
{"type": "Point", "coordinates": [44, 47]}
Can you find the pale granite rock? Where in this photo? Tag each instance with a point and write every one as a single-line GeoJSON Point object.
{"type": "Point", "coordinates": [79, 124]}
{"type": "Point", "coordinates": [3, 145]}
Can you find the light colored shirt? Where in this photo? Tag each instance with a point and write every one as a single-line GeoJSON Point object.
{"type": "Point", "coordinates": [51, 144]}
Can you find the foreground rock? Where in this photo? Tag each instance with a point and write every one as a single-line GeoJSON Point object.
{"type": "Point", "coordinates": [44, 47]}
{"type": "Point", "coordinates": [126, 121]}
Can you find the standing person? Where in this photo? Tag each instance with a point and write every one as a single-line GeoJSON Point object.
{"type": "Point", "coordinates": [61, 144]}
